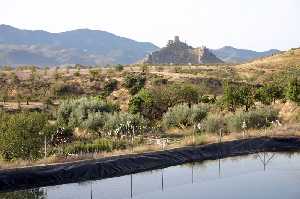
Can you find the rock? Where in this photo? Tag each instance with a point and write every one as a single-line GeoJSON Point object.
{"type": "Point", "coordinates": [177, 52]}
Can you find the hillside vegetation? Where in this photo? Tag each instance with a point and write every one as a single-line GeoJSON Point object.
{"type": "Point", "coordinates": [88, 112]}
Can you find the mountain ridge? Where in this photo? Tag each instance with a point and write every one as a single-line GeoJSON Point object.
{"type": "Point", "coordinates": [230, 54]}
{"type": "Point", "coordinates": [93, 46]}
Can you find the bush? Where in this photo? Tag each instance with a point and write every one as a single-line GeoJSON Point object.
{"type": "Point", "coordinates": [110, 86]}
{"type": "Point", "coordinates": [177, 116]}
{"type": "Point", "coordinates": [95, 122]}
{"type": "Point", "coordinates": [182, 115]}
{"type": "Point", "coordinates": [119, 67]}
{"type": "Point", "coordinates": [20, 135]}
{"type": "Point", "coordinates": [62, 89]}
{"type": "Point", "coordinates": [134, 82]}
{"type": "Point", "coordinates": [154, 102]}
{"type": "Point", "coordinates": [119, 124]}
{"type": "Point", "coordinates": [98, 145]}
{"type": "Point", "coordinates": [293, 90]}
{"type": "Point", "coordinates": [254, 119]}
{"type": "Point", "coordinates": [184, 93]}
{"type": "Point", "coordinates": [74, 113]}
{"type": "Point", "coordinates": [213, 123]}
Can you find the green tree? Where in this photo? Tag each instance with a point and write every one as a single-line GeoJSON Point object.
{"type": "Point", "coordinates": [229, 100]}
{"type": "Point", "coordinates": [20, 135]}
{"type": "Point", "coordinates": [269, 93]}
{"type": "Point", "coordinates": [185, 93]}
{"type": "Point", "coordinates": [245, 96]}
{"type": "Point", "coordinates": [293, 90]}
{"type": "Point", "coordinates": [134, 82]}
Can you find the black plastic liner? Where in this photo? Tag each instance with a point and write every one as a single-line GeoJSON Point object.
{"type": "Point", "coordinates": [26, 178]}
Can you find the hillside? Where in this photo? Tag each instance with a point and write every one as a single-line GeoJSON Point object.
{"type": "Point", "coordinates": [267, 66]}
{"type": "Point", "coordinates": [81, 46]}
{"type": "Point", "coordinates": [177, 52]}
{"type": "Point", "coordinates": [234, 55]}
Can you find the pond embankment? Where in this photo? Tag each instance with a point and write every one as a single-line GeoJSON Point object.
{"type": "Point", "coordinates": [39, 176]}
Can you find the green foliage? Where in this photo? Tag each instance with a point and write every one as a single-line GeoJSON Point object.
{"type": "Point", "coordinates": [185, 93]}
{"type": "Point", "coordinates": [159, 81]}
{"type": "Point", "coordinates": [154, 102]}
{"type": "Point", "coordinates": [269, 93]}
{"type": "Point", "coordinates": [134, 82]}
{"type": "Point", "coordinates": [94, 122]}
{"type": "Point", "coordinates": [119, 67]}
{"type": "Point", "coordinates": [143, 103]}
{"type": "Point", "coordinates": [25, 194]}
{"type": "Point", "coordinates": [110, 86]}
{"type": "Point", "coordinates": [258, 118]}
{"type": "Point", "coordinates": [75, 113]}
{"type": "Point", "coordinates": [245, 96]}
{"type": "Point", "coordinates": [98, 145]}
{"type": "Point", "coordinates": [94, 73]}
{"type": "Point", "coordinates": [20, 135]}
{"type": "Point", "coordinates": [229, 100]}
{"type": "Point", "coordinates": [293, 90]}
{"type": "Point", "coordinates": [213, 123]}
{"type": "Point", "coordinates": [182, 115]}
{"type": "Point", "coordinates": [127, 124]}
{"type": "Point", "coordinates": [237, 96]}
{"type": "Point", "coordinates": [63, 89]}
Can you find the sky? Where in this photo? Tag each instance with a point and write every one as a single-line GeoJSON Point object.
{"type": "Point", "coordinates": [249, 24]}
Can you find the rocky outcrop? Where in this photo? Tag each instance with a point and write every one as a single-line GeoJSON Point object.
{"type": "Point", "coordinates": [177, 52]}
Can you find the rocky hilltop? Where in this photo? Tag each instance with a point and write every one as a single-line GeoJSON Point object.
{"type": "Point", "coordinates": [177, 52]}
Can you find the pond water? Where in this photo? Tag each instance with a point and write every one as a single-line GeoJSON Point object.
{"type": "Point", "coordinates": [263, 175]}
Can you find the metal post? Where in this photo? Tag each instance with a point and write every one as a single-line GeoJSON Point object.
{"type": "Point", "coordinates": [264, 161]}
{"type": "Point", "coordinates": [131, 189]}
{"type": "Point", "coordinates": [45, 145]}
{"type": "Point", "coordinates": [193, 173]}
{"type": "Point", "coordinates": [219, 167]}
{"type": "Point", "coordinates": [220, 135]}
{"type": "Point", "coordinates": [132, 137]}
{"type": "Point", "coordinates": [91, 190]}
{"type": "Point", "coordinates": [194, 132]}
{"type": "Point", "coordinates": [162, 179]}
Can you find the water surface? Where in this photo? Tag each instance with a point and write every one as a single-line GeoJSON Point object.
{"type": "Point", "coordinates": [263, 175]}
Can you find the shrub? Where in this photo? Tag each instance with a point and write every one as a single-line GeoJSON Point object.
{"type": "Point", "coordinates": [74, 113]}
{"type": "Point", "coordinates": [152, 103]}
{"type": "Point", "coordinates": [182, 115]}
{"type": "Point", "coordinates": [254, 119]}
{"type": "Point", "coordinates": [213, 123]}
{"type": "Point", "coordinates": [98, 145]}
{"type": "Point", "coordinates": [177, 116]}
{"type": "Point", "coordinates": [134, 82]}
{"type": "Point", "coordinates": [118, 124]}
{"type": "Point", "coordinates": [110, 86]}
{"type": "Point", "coordinates": [119, 67]}
{"type": "Point", "coordinates": [20, 135]}
{"type": "Point", "coordinates": [293, 90]}
{"type": "Point", "coordinates": [62, 89]}
{"type": "Point", "coordinates": [95, 122]}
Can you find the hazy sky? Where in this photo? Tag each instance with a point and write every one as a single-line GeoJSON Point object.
{"type": "Point", "coordinates": [252, 24]}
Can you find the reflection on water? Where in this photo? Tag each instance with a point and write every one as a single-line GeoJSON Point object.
{"type": "Point", "coordinates": [263, 175]}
